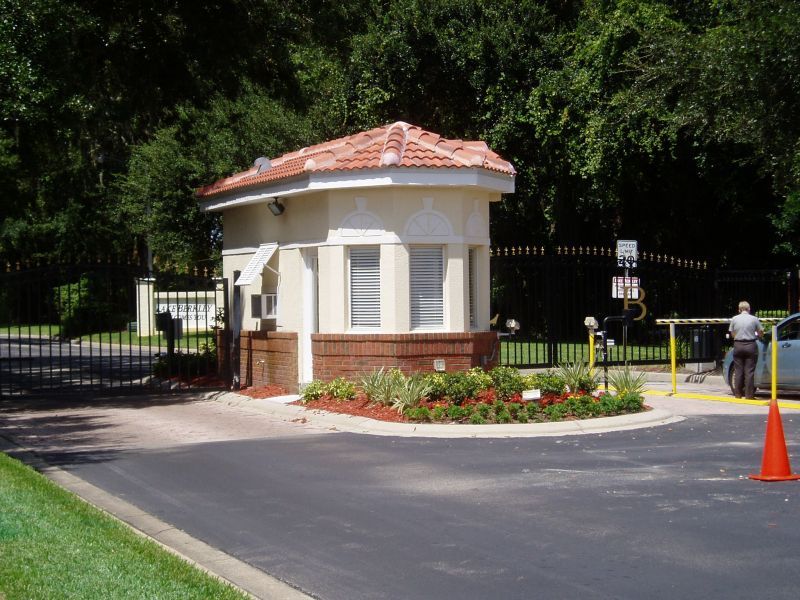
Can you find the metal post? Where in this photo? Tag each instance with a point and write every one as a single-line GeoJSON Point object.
{"type": "Point", "coordinates": [591, 352]}
{"type": "Point", "coordinates": [673, 357]}
{"type": "Point", "coordinates": [774, 362]}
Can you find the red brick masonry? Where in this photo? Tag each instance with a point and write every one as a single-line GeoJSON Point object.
{"type": "Point", "coordinates": [349, 355]}
{"type": "Point", "coordinates": [268, 358]}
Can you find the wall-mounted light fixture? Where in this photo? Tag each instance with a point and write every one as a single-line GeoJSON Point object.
{"type": "Point", "coordinates": [275, 207]}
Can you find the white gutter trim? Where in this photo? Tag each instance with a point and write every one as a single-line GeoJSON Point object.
{"type": "Point", "coordinates": [364, 178]}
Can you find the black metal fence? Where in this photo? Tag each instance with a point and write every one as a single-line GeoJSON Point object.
{"type": "Point", "coordinates": [550, 292]}
{"type": "Point", "coordinates": [104, 327]}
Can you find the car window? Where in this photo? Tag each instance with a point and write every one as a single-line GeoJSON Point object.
{"type": "Point", "coordinates": [790, 331]}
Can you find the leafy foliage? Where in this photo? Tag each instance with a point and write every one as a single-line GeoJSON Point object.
{"type": "Point", "coordinates": [578, 377]}
{"type": "Point", "coordinates": [625, 381]}
{"type": "Point", "coordinates": [618, 115]}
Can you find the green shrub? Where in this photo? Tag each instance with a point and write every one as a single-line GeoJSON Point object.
{"type": "Point", "coordinates": [625, 381]}
{"type": "Point", "coordinates": [610, 404]}
{"type": "Point", "coordinates": [507, 381]}
{"type": "Point", "coordinates": [578, 377]}
{"type": "Point", "coordinates": [514, 408]}
{"type": "Point", "coordinates": [458, 386]}
{"type": "Point", "coordinates": [547, 383]}
{"type": "Point", "coordinates": [411, 392]}
{"type": "Point", "coordinates": [484, 410]}
{"type": "Point", "coordinates": [522, 416]}
{"type": "Point", "coordinates": [438, 413]}
{"type": "Point", "coordinates": [89, 305]}
{"type": "Point", "coordinates": [534, 411]}
{"type": "Point", "coordinates": [477, 419]}
{"type": "Point", "coordinates": [188, 365]}
{"type": "Point", "coordinates": [382, 387]}
{"type": "Point", "coordinates": [314, 391]}
{"type": "Point", "coordinates": [631, 402]}
{"type": "Point", "coordinates": [438, 385]}
{"type": "Point", "coordinates": [419, 413]}
{"type": "Point", "coordinates": [582, 407]}
{"type": "Point", "coordinates": [503, 417]}
{"type": "Point", "coordinates": [556, 412]}
{"type": "Point", "coordinates": [455, 412]}
{"type": "Point", "coordinates": [341, 388]}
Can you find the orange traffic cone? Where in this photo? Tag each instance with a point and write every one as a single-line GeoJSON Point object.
{"type": "Point", "coordinates": [775, 464]}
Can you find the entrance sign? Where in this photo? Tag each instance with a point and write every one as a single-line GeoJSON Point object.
{"type": "Point", "coordinates": [621, 285]}
{"type": "Point", "coordinates": [627, 253]}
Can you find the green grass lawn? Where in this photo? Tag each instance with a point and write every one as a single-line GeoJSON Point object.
{"type": "Point", "coordinates": [54, 545]}
{"type": "Point", "coordinates": [526, 353]}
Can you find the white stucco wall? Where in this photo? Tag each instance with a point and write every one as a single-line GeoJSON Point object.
{"type": "Point", "coordinates": [392, 218]}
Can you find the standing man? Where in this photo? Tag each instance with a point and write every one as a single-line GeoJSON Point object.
{"type": "Point", "coordinates": [744, 330]}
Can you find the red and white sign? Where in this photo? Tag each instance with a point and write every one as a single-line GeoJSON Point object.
{"type": "Point", "coordinates": [618, 285]}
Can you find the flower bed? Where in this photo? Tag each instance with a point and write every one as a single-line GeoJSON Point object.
{"type": "Point", "coordinates": [478, 396]}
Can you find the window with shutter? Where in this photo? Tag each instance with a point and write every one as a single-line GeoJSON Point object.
{"type": "Point", "coordinates": [365, 287]}
{"type": "Point", "coordinates": [426, 282]}
{"type": "Point", "coordinates": [471, 266]}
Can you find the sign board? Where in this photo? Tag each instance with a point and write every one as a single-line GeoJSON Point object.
{"type": "Point", "coordinates": [618, 285]}
{"type": "Point", "coordinates": [627, 253]}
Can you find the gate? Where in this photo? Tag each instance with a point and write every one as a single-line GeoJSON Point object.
{"type": "Point", "coordinates": [110, 328]}
{"type": "Point", "coordinates": [550, 292]}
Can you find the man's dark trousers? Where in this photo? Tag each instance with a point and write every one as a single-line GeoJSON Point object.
{"type": "Point", "coordinates": [745, 355]}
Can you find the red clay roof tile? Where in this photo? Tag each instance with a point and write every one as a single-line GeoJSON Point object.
{"type": "Point", "coordinates": [397, 145]}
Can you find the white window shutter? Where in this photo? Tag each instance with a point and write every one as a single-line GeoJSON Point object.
{"type": "Point", "coordinates": [365, 287]}
{"type": "Point", "coordinates": [426, 275]}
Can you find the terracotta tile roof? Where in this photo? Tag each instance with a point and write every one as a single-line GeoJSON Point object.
{"type": "Point", "coordinates": [397, 145]}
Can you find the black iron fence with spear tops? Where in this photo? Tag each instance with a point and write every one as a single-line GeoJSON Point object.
{"type": "Point", "coordinates": [107, 326]}
{"type": "Point", "coordinates": [550, 292]}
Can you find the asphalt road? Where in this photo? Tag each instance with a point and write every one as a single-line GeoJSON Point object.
{"type": "Point", "coordinates": [38, 363]}
{"type": "Point", "coordinates": [654, 513]}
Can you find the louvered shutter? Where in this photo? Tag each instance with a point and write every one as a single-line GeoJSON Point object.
{"type": "Point", "coordinates": [426, 274]}
{"type": "Point", "coordinates": [365, 287]}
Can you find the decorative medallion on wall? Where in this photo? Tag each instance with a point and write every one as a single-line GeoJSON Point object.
{"type": "Point", "coordinates": [428, 223]}
{"type": "Point", "coordinates": [361, 222]}
{"type": "Point", "coordinates": [477, 226]}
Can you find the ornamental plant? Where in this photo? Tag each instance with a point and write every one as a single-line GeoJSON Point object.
{"type": "Point", "coordinates": [578, 377]}
{"type": "Point", "coordinates": [626, 382]}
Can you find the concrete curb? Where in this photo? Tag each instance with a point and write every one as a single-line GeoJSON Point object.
{"type": "Point", "coordinates": [353, 424]}
{"type": "Point", "coordinates": [216, 563]}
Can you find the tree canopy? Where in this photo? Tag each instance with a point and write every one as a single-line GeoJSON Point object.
{"type": "Point", "coordinates": [674, 122]}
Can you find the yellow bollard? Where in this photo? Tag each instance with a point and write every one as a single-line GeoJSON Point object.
{"type": "Point", "coordinates": [774, 362]}
{"type": "Point", "coordinates": [591, 352]}
{"type": "Point", "coordinates": [673, 351]}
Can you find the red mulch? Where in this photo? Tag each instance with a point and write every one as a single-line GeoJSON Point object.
{"type": "Point", "coordinates": [359, 407]}
{"type": "Point", "coordinates": [264, 391]}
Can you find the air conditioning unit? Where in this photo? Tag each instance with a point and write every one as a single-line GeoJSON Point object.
{"type": "Point", "coordinates": [264, 306]}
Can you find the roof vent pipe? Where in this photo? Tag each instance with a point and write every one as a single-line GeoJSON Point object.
{"type": "Point", "coordinates": [263, 164]}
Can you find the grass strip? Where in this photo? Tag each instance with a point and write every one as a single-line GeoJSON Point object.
{"type": "Point", "coordinates": [55, 545]}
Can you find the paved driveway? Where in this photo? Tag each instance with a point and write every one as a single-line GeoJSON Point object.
{"type": "Point", "coordinates": [665, 512]}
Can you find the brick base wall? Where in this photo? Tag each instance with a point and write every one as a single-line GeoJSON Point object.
{"type": "Point", "coordinates": [349, 355]}
{"type": "Point", "coordinates": [268, 358]}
